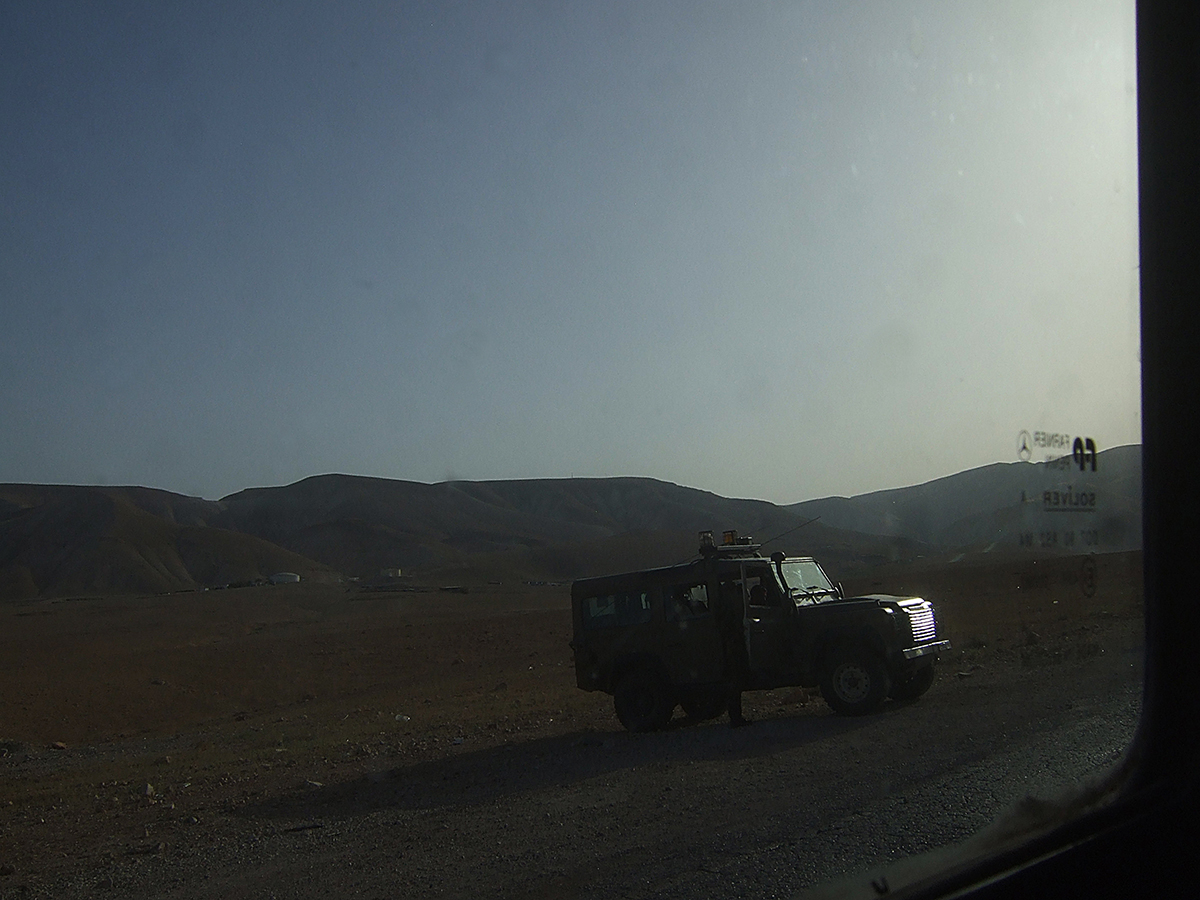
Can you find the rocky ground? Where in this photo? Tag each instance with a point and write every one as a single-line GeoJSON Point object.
{"type": "Point", "coordinates": [302, 741]}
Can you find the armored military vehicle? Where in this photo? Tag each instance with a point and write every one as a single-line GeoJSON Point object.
{"type": "Point", "coordinates": [661, 638]}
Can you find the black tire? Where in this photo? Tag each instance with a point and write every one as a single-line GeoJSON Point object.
{"type": "Point", "coordinates": [704, 704]}
{"type": "Point", "coordinates": [915, 686]}
{"type": "Point", "coordinates": [855, 682]}
{"type": "Point", "coordinates": [643, 702]}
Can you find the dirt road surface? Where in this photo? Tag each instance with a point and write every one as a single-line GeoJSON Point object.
{"type": "Point", "coordinates": [300, 743]}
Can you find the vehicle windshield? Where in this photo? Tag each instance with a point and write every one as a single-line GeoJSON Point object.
{"type": "Point", "coordinates": [804, 576]}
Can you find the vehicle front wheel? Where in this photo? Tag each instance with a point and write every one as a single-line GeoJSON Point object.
{"type": "Point", "coordinates": [915, 686]}
{"type": "Point", "coordinates": [643, 702]}
{"type": "Point", "coordinates": [856, 682]}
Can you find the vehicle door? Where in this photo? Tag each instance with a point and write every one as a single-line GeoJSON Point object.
{"type": "Point", "coordinates": [692, 650]}
{"type": "Point", "coordinates": [766, 621]}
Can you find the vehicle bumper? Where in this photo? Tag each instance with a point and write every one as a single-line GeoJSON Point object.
{"type": "Point", "coordinates": [926, 649]}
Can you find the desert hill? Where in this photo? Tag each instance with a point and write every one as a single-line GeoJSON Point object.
{"type": "Point", "coordinates": [57, 540]}
{"type": "Point", "coordinates": [995, 504]}
{"type": "Point", "coordinates": [361, 525]}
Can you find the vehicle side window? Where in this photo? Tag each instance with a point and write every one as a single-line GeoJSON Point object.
{"type": "Point", "coordinates": [613, 610]}
{"type": "Point", "coordinates": [687, 601]}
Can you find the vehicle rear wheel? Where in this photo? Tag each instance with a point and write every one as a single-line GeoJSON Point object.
{"type": "Point", "coordinates": [855, 682]}
{"type": "Point", "coordinates": [705, 704]}
{"type": "Point", "coordinates": [643, 702]}
{"type": "Point", "coordinates": [915, 686]}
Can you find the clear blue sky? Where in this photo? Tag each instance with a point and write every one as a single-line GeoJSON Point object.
{"type": "Point", "coordinates": [773, 250]}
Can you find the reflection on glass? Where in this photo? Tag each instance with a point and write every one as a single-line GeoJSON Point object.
{"type": "Point", "coordinates": [877, 269]}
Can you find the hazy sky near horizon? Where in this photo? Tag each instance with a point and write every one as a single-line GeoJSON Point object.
{"type": "Point", "coordinates": [776, 250]}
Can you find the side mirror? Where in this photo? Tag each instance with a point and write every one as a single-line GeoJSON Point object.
{"type": "Point", "coordinates": [841, 592]}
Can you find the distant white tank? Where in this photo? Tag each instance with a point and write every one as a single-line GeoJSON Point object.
{"type": "Point", "coordinates": [284, 578]}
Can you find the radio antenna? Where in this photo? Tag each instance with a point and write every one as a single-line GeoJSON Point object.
{"type": "Point", "coordinates": [790, 530]}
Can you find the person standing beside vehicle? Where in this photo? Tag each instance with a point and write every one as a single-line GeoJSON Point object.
{"type": "Point", "coordinates": [733, 638]}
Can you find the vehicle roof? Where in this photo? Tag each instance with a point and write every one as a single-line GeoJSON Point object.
{"type": "Point", "coordinates": [662, 574]}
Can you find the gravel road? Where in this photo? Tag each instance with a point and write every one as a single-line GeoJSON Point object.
{"type": "Point", "coordinates": [694, 811]}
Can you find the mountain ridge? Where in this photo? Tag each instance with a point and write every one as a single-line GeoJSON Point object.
{"type": "Point", "coordinates": [971, 506]}
{"type": "Point", "coordinates": [62, 539]}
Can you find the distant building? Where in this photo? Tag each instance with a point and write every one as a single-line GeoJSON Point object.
{"type": "Point", "coordinates": [390, 573]}
{"type": "Point", "coordinates": [284, 578]}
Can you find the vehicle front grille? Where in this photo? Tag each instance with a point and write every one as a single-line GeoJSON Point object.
{"type": "Point", "coordinates": [920, 617]}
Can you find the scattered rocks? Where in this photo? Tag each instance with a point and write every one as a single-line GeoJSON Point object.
{"type": "Point", "coordinates": [797, 697]}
